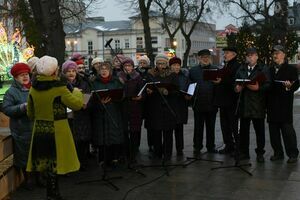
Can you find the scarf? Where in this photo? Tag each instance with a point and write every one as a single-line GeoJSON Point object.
{"type": "Point", "coordinates": [105, 80]}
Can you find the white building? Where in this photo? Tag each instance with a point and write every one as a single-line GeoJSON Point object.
{"type": "Point", "coordinates": [128, 38]}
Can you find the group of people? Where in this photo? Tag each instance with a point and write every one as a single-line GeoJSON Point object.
{"type": "Point", "coordinates": [54, 108]}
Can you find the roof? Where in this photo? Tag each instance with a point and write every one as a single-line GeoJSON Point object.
{"type": "Point", "coordinates": [98, 25]}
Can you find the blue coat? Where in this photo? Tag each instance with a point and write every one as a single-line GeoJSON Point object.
{"type": "Point", "coordinates": [19, 124]}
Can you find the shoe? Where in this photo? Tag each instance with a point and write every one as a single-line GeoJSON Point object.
{"type": "Point", "coordinates": [243, 157]}
{"type": "Point", "coordinates": [179, 153]}
{"type": "Point", "coordinates": [292, 160]}
{"type": "Point", "coordinates": [260, 158]}
{"type": "Point", "coordinates": [226, 150]}
{"type": "Point", "coordinates": [276, 157]}
{"type": "Point", "coordinates": [212, 151]}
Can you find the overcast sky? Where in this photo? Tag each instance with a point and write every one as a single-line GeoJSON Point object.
{"type": "Point", "coordinates": [111, 10]}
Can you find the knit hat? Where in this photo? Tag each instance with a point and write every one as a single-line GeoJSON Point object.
{"type": "Point", "coordinates": [19, 68]}
{"type": "Point", "coordinates": [174, 60]}
{"type": "Point", "coordinates": [69, 64]}
{"type": "Point", "coordinates": [127, 60]}
{"type": "Point", "coordinates": [96, 60]}
{"type": "Point", "coordinates": [161, 57]}
{"type": "Point", "coordinates": [32, 62]}
{"type": "Point", "coordinates": [145, 58]}
{"type": "Point", "coordinates": [77, 56]}
{"type": "Point", "coordinates": [46, 65]}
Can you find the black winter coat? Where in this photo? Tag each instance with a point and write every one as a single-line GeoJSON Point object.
{"type": "Point", "coordinates": [224, 91]}
{"type": "Point", "coordinates": [253, 103]}
{"type": "Point", "coordinates": [279, 100]}
{"type": "Point", "coordinates": [182, 104]}
{"type": "Point", "coordinates": [158, 114]}
{"type": "Point", "coordinates": [205, 90]}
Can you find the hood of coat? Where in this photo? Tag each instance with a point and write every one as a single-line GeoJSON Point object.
{"type": "Point", "coordinates": [46, 82]}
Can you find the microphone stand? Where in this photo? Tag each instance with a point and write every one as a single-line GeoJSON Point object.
{"type": "Point", "coordinates": [237, 144]}
{"type": "Point", "coordinates": [163, 164]}
{"type": "Point", "coordinates": [104, 177]}
{"type": "Point", "coordinates": [129, 164]}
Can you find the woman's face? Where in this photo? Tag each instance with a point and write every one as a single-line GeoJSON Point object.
{"type": "Point", "coordinates": [23, 78]}
{"type": "Point", "coordinates": [97, 67]}
{"type": "Point", "coordinates": [143, 64]}
{"type": "Point", "coordinates": [104, 72]}
{"type": "Point", "coordinates": [161, 65]}
{"type": "Point", "coordinates": [175, 68]}
{"type": "Point", "coordinates": [71, 75]}
{"type": "Point", "coordinates": [128, 68]}
{"type": "Point", "coordinates": [117, 64]}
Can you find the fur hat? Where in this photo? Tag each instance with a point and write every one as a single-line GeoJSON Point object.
{"type": "Point", "coordinates": [145, 58]}
{"type": "Point", "coordinates": [46, 65]}
{"type": "Point", "coordinates": [19, 68]}
{"type": "Point", "coordinates": [127, 60]}
{"type": "Point", "coordinates": [69, 64]}
{"type": "Point", "coordinates": [174, 60]}
{"type": "Point", "coordinates": [32, 62]}
{"type": "Point", "coordinates": [161, 57]}
{"type": "Point", "coordinates": [96, 60]}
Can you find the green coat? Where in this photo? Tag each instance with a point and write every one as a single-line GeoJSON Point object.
{"type": "Point", "coordinates": [52, 146]}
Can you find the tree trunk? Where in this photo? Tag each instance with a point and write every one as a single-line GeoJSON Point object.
{"type": "Point", "coordinates": [147, 32]}
{"type": "Point", "coordinates": [187, 51]}
{"type": "Point", "coordinates": [49, 23]}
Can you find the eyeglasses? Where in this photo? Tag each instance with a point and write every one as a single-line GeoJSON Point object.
{"type": "Point", "coordinates": [161, 63]}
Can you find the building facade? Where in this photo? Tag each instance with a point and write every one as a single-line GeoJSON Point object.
{"type": "Point", "coordinates": [90, 37]}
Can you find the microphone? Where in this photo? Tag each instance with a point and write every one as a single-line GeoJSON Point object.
{"type": "Point", "coordinates": [107, 44]}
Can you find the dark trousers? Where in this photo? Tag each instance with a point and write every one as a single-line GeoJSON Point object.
{"type": "Point", "coordinates": [259, 127]}
{"type": "Point", "coordinates": [163, 142]}
{"type": "Point", "coordinates": [287, 131]}
{"type": "Point", "coordinates": [179, 137]}
{"type": "Point", "coordinates": [82, 148]}
{"type": "Point", "coordinates": [150, 137]}
{"type": "Point", "coordinates": [229, 125]}
{"type": "Point", "coordinates": [131, 144]}
{"type": "Point", "coordinates": [209, 118]}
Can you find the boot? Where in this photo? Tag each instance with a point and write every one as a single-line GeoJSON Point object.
{"type": "Point", "coordinates": [52, 187]}
{"type": "Point", "coordinates": [28, 184]}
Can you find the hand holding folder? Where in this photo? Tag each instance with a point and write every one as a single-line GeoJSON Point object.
{"type": "Point", "coordinates": [214, 74]}
{"type": "Point", "coordinates": [113, 94]}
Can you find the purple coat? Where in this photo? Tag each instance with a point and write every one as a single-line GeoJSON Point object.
{"type": "Point", "coordinates": [132, 109]}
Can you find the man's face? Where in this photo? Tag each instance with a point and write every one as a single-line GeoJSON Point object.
{"type": "Point", "coordinates": [229, 55]}
{"type": "Point", "coordinates": [278, 57]}
{"type": "Point", "coordinates": [204, 59]}
{"type": "Point", "coordinates": [175, 68]}
{"type": "Point", "coordinates": [252, 58]}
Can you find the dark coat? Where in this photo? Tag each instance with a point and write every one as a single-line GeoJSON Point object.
{"type": "Point", "coordinates": [279, 100]}
{"type": "Point", "coordinates": [20, 125]}
{"type": "Point", "coordinates": [132, 110]}
{"type": "Point", "coordinates": [253, 103]}
{"type": "Point", "coordinates": [82, 127]}
{"type": "Point", "coordinates": [158, 114]}
{"type": "Point", "coordinates": [109, 122]}
{"type": "Point", "coordinates": [182, 104]}
{"type": "Point", "coordinates": [224, 91]}
{"type": "Point", "coordinates": [204, 94]}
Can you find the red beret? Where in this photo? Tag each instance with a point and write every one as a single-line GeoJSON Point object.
{"type": "Point", "coordinates": [19, 68]}
{"type": "Point", "coordinates": [174, 60]}
{"type": "Point", "coordinates": [79, 62]}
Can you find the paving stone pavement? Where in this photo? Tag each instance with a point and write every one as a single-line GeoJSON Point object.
{"type": "Point", "coordinates": [270, 180]}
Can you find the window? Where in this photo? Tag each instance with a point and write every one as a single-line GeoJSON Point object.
{"type": "Point", "coordinates": [167, 43]}
{"type": "Point", "coordinates": [126, 43]}
{"type": "Point", "coordinates": [139, 43]}
{"type": "Point", "coordinates": [117, 44]}
{"type": "Point", "coordinates": [90, 47]}
{"type": "Point", "coordinates": [291, 21]}
{"type": "Point", "coordinates": [154, 40]}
